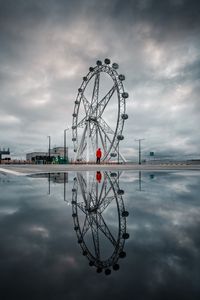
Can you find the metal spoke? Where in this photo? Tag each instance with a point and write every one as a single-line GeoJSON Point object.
{"type": "Point", "coordinates": [82, 184]}
{"type": "Point", "coordinates": [103, 103]}
{"type": "Point", "coordinates": [105, 132]}
{"type": "Point", "coordinates": [105, 126]}
{"type": "Point", "coordinates": [92, 135]}
{"type": "Point", "coordinates": [95, 235]}
{"type": "Point", "coordinates": [106, 195]}
{"type": "Point", "coordinates": [95, 94]}
{"type": "Point", "coordinates": [102, 141]}
{"type": "Point", "coordinates": [82, 142]}
{"type": "Point", "coordinates": [102, 190]}
{"type": "Point", "coordinates": [81, 206]}
{"type": "Point", "coordinates": [86, 104]}
{"type": "Point", "coordinates": [86, 226]}
{"type": "Point", "coordinates": [81, 123]}
{"type": "Point", "coordinates": [105, 230]}
{"type": "Point", "coordinates": [105, 203]}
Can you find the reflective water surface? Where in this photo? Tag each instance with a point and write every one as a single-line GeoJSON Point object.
{"type": "Point", "coordinates": [100, 235]}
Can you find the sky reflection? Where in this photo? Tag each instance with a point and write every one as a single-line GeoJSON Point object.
{"type": "Point", "coordinates": [40, 256]}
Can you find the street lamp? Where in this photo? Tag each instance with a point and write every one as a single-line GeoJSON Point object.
{"type": "Point", "coordinates": [49, 146]}
{"type": "Point", "coordinates": [65, 148]}
{"type": "Point", "coordinates": [139, 140]}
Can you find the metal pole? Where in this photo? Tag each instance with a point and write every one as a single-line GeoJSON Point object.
{"type": "Point", "coordinates": [64, 186]}
{"type": "Point", "coordinates": [65, 148]}
{"type": "Point", "coordinates": [139, 140]}
{"type": "Point", "coordinates": [140, 181]}
{"type": "Point", "coordinates": [139, 152]}
{"type": "Point", "coordinates": [118, 152]}
{"type": "Point", "coordinates": [88, 149]}
{"type": "Point", "coordinates": [49, 180]}
{"type": "Point", "coordinates": [49, 147]}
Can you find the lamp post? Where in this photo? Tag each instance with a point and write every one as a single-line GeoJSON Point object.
{"type": "Point", "coordinates": [49, 147]}
{"type": "Point", "coordinates": [65, 148]}
{"type": "Point", "coordinates": [139, 140]}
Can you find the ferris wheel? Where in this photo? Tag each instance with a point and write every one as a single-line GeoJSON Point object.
{"type": "Point", "coordinates": [99, 113]}
{"type": "Point", "coordinates": [92, 203]}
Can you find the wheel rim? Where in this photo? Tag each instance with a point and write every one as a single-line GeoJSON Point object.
{"type": "Point", "coordinates": [89, 228]}
{"type": "Point", "coordinates": [90, 127]}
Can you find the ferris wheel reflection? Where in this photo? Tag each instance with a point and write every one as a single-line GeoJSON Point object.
{"type": "Point", "coordinates": [99, 218]}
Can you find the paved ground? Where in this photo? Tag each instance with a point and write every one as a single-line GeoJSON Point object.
{"type": "Point", "coordinates": [33, 169]}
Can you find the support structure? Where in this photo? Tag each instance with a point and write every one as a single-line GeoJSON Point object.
{"type": "Point", "coordinates": [99, 114]}
{"type": "Point", "coordinates": [139, 150]}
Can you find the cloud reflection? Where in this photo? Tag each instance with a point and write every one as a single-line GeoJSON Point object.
{"type": "Point", "coordinates": [40, 255]}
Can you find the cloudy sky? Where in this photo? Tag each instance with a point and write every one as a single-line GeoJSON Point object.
{"type": "Point", "coordinates": [46, 48]}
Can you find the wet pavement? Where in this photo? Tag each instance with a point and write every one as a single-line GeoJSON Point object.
{"type": "Point", "coordinates": [100, 235]}
{"type": "Point", "coordinates": [32, 169]}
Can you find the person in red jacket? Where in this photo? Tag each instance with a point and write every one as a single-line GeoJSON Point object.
{"type": "Point", "coordinates": [98, 176]}
{"type": "Point", "coordinates": [98, 155]}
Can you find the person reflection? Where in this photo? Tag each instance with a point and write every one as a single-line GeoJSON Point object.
{"type": "Point", "coordinates": [98, 176]}
{"type": "Point", "coordinates": [92, 203]}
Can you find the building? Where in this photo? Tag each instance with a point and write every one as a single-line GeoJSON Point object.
{"type": "Point", "coordinates": [56, 156]}
{"type": "Point", "coordinates": [59, 150]}
{"type": "Point", "coordinates": [4, 152]}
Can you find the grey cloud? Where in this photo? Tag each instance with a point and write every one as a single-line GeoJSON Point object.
{"type": "Point", "coordinates": [47, 47]}
{"type": "Point", "coordinates": [170, 18]}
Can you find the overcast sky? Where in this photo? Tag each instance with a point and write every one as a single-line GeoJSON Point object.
{"type": "Point", "coordinates": [46, 47]}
